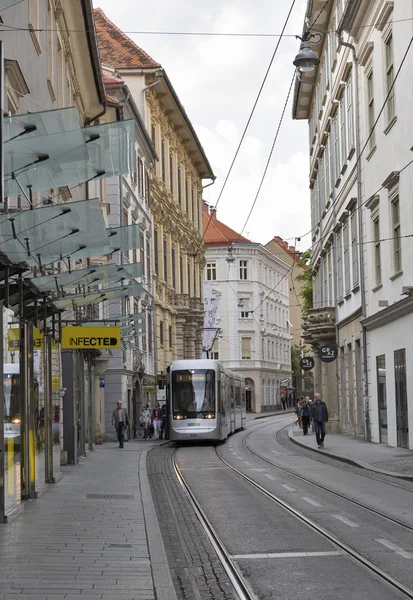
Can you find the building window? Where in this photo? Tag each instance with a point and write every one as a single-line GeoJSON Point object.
{"type": "Point", "coordinates": [161, 333]}
{"type": "Point", "coordinates": [243, 269]}
{"type": "Point", "coordinates": [354, 248]}
{"type": "Point", "coordinates": [337, 158]}
{"type": "Point", "coordinates": [343, 133]}
{"type": "Point", "coordinates": [397, 246]}
{"type": "Point", "coordinates": [211, 271]}
{"type": "Point", "coordinates": [339, 265]}
{"type": "Point", "coordinates": [153, 134]}
{"type": "Point", "coordinates": [330, 280]}
{"type": "Point", "coordinates": [246, 348]}
{"type": "Point", "coordinates": [245, 312]}
{"type": "Point", "coordinates": [171, 173]}
{"type": "Point", "coordinates": [187, 195]}
{"type": "Point", "coordinates": [147, 187]}
{"type": "Point", "coordinates": [350, 118]}
{"type": "Point", "coordinates": [195, 278]}
{"type": "Point", "coordinates": [163, 164]}
{"type": "Point", "coordinates": [389, 60]}
{"type": "Point", "coordinates": [170, 337]}
{"type": "Point", "coordinates": [189, 277]}
{"type": "Point", "coordinates": [165, 260]}
{"type": "Point", "coordinates": [142, 253]}
{"type": "Point", "coordinates": [377, 250]}
{"type": "Point", "coordinates": [179, 186]}
{"type": "Point", "coordinates": [50, 44]}
{"type": "Point", "coordinates": [346, 242]}
{"type": "Point", "coordinates": [192, 204]}
{"type": "Point", "coordinates": [140, 176]}
{"type": "Point", "coordinates": [173, 269]}
{"type": "Point", "coordinates": [401, 398]}
{"type": "Point", "coordinates": [382, 397]}
{"type": "Point", "coordinates": [148, 260]}
{"type": "Point", "coordinates": [370, 109]}
{"type": "Point", "coordinates": [156, 251]}
{"type": "Point", "coordinates": [181, 273]}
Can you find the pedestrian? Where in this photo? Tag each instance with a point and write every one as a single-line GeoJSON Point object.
{"type": "Point", "coordinates": [156, 420]}
{"type": "Point", "coordinates": [298, 412]}
{"type": "Point", "coordinates": [120, 420]}
{"type": "Point", "coordinates": [283, 401]}
{"type": "Point", "coordinates": [145, 420]}
{"type": "Point", "coordinates": [305, 416]}
{"type": "Point", "coordinates": [320, 416]}
{"type": "Point", "coordinates": [164, 423]}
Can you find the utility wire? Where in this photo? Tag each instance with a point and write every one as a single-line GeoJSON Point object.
{"type": "Point", "coordinates": [250, 116]}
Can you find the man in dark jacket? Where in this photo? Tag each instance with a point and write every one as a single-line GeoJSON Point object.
{"type": "Point", "coordinates": [319, 414]}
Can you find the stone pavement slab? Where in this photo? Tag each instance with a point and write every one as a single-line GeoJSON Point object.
{"type": "Point", "coordinates": [396, 462]}
{"type": "Point", "coordinates": [93, 536]}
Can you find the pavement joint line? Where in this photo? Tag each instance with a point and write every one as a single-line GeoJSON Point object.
{"type": "Point", "coordinates": [346, 521]}
{"type": "Point", "coordinates": [287, 555]}
{"type": "Point", "coordinates": [288, 487]}
{"type": "Point", "coordinates": [397, 549]}
{"type": "Point", "coordinates": [270, 477]}
{"type": "Point", "coordinates": [311, 501]}
{"type": "Point", "coordinates": [247, 463]}
{"type": "Point", "coordinates": [164, 587]}
{"type": "Point", "coordinates": [257, 469]}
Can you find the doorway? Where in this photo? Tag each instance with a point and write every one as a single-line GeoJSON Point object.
{"type": "Point", "coordinates": [401, 398]}
{"type": "Point", "coordinates": [249, 394]}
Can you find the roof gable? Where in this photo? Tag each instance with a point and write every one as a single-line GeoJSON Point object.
{"type": "Point", "coordinates": [217, 233]}
{"type": "Point", "coordinates": [117, 49]}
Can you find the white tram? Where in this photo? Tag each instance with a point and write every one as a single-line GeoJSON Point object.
{"type": "Point", "coordinates": [205, 401]}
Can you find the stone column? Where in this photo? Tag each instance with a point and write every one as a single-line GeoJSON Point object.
{"type": "Point", "coordinates": [180, 322]}
{"type": "Point", "coordinates": [190, 337]}
{"type": "Point", "coordinates": [101, 365]}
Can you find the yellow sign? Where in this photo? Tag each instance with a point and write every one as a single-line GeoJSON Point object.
{"type": "Point", "coordinates": [55, 383]}
{"type": "Point", "coordinates": [90, 338]}
{"type": "Point", "coordinates": [13, 336]}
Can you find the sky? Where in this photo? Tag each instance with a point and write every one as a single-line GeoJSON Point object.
{"type": "Point", "coordinates": [217, 80]}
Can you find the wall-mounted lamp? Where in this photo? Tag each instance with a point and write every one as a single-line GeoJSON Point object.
{"type": "Point", "coordinates": [306, 60]}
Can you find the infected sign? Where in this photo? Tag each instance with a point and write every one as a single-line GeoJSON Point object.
{"type": "Point", "coordinates": [90, 338]}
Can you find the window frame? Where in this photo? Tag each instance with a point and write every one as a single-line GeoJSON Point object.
{"type": "Point", "coordinates": [211, 271]}
{"type": "Point", "coordinates": [246, 348]}
{"type": "Point", "coordinates": [388, 64]}
{"type": "Point", "coordinates": [377, 248]}
{"type": "Point", "coordinates": [243, 270]}
{"type": "Point", "coordinates": [396, 232]}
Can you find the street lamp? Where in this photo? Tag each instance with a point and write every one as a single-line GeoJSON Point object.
{"type": "Point", "coordinates": [306, 60]}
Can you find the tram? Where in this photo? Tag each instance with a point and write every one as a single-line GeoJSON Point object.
{"type": "Point", "coordinates": [204, 400]}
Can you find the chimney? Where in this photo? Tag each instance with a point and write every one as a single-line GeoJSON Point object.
{"type": "Point", "coordinates": [205, 206]}
{"type": "Point", "coordinates": [213, 212]}
{"type": "Point", "coordinates": [292, 249]}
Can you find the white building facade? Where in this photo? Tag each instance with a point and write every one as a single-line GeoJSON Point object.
{"type": "Point", "coordinates": [360, 123]}
{"type": "Point", "coordinates": [253, 314]}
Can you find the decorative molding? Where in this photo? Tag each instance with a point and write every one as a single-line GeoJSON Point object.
{"type": "Point", "coordinates": [373, 202]}
{"type": "Point", "coordinates": [384, 15]}
{"type": "Point", "coordinates": [35, 39]}
{"type": "Point", "coordinates": [391, 180]}
{"type": "Point", "coordinates": [365, 53]}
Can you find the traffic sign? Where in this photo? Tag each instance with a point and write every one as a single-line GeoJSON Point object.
{"type": "Point", "coordinates": [328, 353]}
{"type": "Point", "coordinates": [307, 363]}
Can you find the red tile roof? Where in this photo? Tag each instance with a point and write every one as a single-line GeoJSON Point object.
{"type": "Point", "coordinates": [217, 233]}
{"type": "Point", "coordinates": [109, 80]}
{"type": "Point", "coordinates": [117, 49]}
{"type": "Point", "coordinates": [284, 245]}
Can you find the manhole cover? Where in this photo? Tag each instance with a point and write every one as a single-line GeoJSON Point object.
{"type": "Point", "coordinates": [109, 497]}
{"type": "Point", "coordinates": [120, 545]}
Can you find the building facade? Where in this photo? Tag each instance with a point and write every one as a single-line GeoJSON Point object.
{"type": "Point", "coordinates": [253, 312]}
{"type": "Point", "coordinates": [360, 190]}
{"type": "Point", "coordinates": [176, 196]}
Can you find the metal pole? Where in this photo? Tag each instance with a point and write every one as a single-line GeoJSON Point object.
{"type": "Point", "coordinates": [48, 408]}
{"type": "Point", "coordinates": [2, 477]}
{"type": "Point", "coordinates": [90, 403]}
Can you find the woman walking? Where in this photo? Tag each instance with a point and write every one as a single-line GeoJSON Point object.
{"type": "Point", "coordinates": [305, 416]}
{"type": "Point", "coordinates": [145, 420]}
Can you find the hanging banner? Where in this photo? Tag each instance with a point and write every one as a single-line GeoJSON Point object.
{"type": "Point", "coordinates": [90, 338]}
{"type": "Point", "coordinates": [211, 305]}
{"type": "Point", "coordinates": [13, 337]}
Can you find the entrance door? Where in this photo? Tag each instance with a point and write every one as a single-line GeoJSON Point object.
{"type": "Point", "coordinates": [401, 398]}
{"type": "Point", "coordinates": [248, 400]}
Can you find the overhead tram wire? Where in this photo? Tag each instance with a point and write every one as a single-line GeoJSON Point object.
{"type": "Point", "coordinates": [251, 115]}
{"type": "Point", "coordinates": [269, 158]}
{"type": "Point", "coordinates": [333, 204]}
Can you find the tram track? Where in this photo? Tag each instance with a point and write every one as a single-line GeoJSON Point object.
{"type": "Point", "coordinates": [326, 489]}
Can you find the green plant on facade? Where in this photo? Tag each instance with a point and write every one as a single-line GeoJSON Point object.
{"type": "Point", "coordinates": [306, 279]}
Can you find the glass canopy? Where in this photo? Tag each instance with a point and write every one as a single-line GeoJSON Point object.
{"type": "Point", "coordinates": [7, 3]}
{"type": "Point", "coordinates": [69, 157]}
{"type": "Point", "coordinates": [121, 319]}
{"type": "Point", "coordinates": [78, 277]}
{"type": "Point", "coordinates": [43, 123]}
{"type": "Point", "coordinates": [97, 297]}
{"type": "Point", "coordinates": [114, 240]}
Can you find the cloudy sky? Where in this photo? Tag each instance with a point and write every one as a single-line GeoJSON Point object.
{"type": "Point", "coordinates": [217, 80]}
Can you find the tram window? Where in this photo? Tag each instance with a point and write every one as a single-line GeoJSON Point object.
{"type": "Point", "coordinates": [193, 393]}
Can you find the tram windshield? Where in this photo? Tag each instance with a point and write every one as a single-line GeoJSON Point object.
{"type": "Point", "coordinates": [193, 393]}
{"type": "Point", "coordinates": [11, 398]}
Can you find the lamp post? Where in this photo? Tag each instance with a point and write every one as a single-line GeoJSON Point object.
{"type": "Point", "coordinates": [306, 60]}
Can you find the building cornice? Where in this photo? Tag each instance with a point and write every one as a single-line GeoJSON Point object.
{"type": "Point", "coordinates": [388, 315]}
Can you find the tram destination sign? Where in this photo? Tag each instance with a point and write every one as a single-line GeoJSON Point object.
{"type": "Point", "coordinates": [307, 363]}
{"type": "Point", "coordinates": [328, 353]}
{"type": "Point", "coordinates": [90, 338]}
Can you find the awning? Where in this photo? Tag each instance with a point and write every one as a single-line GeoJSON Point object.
{"type": "Point", "coordinates": [7, 3]}
{"type": "Point", "coordinates": [100, 296]}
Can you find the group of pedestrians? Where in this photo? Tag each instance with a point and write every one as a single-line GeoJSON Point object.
{"type": "Point", "coordinates": [154, 422]}
{"type": "Point", "coordinates": [314, 413]}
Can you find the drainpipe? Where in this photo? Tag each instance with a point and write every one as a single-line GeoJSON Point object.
{"type": "Point", "coordinates": [367, 425]}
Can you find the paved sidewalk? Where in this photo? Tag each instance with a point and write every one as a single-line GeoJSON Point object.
{"type": "Point", "coordinates": [397, 462]}
{"type": "Point", "coordinates": [92, 536]}
{"type": "Point", "coordinates": [253, 416]}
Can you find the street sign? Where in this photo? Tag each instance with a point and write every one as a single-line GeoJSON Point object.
{"type": "Point", "coordinates": [56, 382]}
{"type": "Point", "coordinates": [90, 338]}
{"type": "Point", "coordinates": [307, 363]}
{"type": "Point", "coordinates": [328, 353]}
{"type": "Point", "coordinates": [13, 338]}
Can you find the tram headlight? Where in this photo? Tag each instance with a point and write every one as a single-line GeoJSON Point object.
{"type": "Point", "coordinates": [16, 421]}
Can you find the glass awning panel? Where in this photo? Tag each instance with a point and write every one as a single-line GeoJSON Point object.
{"type": "Point", "coordinates": [42, 123]}
{"type": "Point", "coordinates": [130, 271]}
{"type": "Point", "coordinates": [78, 277]}
{"type": "Point", "coordinates": [115, 240]}
{"type": "Point", "coordinates": [69, 158]}
{"type": "Point", "coordinates": [98, 297]}
{"type": "Point", "coordinates": [137, 317]}
{"type": "Point", "coordinates": [47, 234]}
{"type": "Point", "coordinates": [7, 3]}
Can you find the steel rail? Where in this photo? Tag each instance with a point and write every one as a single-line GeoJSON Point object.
{"type": "Point", "coordinates": [358, 558]}
{"type": "Point", "coordinates": [324, 488]}
{"type": "Point", "coordinates": [237, 580]}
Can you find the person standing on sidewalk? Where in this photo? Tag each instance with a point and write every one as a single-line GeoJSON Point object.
{"type": "Point", "coordinates": [320, 417]}
{"type": "Point", "coordinates": [145, 421]}
{"type": "Point", "coordinates": [157, 420]}
{"type": "Point", "coordinates": [305, 416]}
{"type": "Point", "coordinates": [120, 420]}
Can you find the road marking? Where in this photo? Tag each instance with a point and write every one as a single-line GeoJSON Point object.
{"type": "Point", "coordinates": [247, 463]}
{"type": "Point", "coordinates": [311, 501]}
{"type": "Point", "coordinates": [397, 549]}
{"type": "Point", "coordinates": [346, 521]}
{"type": "Point", "coordinates": [275, 452]}
{"type": "Point", "coordinates": [258, 470]}
{"type": "Point", "coordinates": [288, 488]}
{"type": "Point", "coordinates": [287, 555]}
{"type": "Point", "coordinates": [270, 477]}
